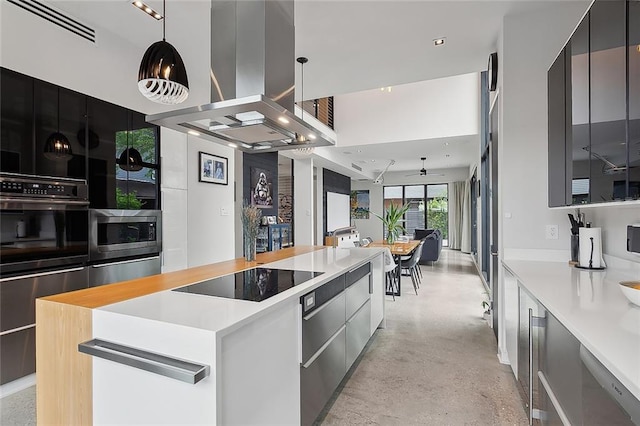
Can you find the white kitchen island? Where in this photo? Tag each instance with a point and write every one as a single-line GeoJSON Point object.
{"type": "Point", "coordinates": [252, 350]}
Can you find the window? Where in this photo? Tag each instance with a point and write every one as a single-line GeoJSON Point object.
{"type": "Point", "coordinates": [428, 206]}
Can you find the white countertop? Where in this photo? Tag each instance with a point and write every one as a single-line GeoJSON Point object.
{"type": "Point", "coordinates": [217, 313]}
{"type": "Point", "coordinates": [592, 307]}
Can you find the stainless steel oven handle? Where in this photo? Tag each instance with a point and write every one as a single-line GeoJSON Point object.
{"type": "Point", "coordinates": [144, 259]}
{"type": "Point", "coordinates": [175, 368]}
{"type": "Point", "coordinates": [51, 200]}
{"type": "Point", "coordinates": [42, 274]}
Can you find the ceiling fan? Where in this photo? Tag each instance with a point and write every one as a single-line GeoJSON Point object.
{"type": "Point", "coordinates": [423, 171]}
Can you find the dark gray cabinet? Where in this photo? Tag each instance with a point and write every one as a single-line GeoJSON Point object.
{"type": "Point", "coordinates": [593, 92]}
{"type": "Point", "coordinates": [98, 132]}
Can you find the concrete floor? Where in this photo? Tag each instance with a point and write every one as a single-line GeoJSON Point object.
{"type": "Point", "coordinates": [436, 362]}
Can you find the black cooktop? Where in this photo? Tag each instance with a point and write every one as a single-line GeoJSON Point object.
{"type": "Point", "coordinates": [255, 284]}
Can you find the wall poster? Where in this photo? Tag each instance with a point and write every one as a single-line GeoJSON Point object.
{"type": "Point", "coordinates": [261, 184]}
{"type": "Point", "coordinates": [360, 204]}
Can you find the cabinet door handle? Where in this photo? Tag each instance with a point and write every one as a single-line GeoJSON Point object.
{"type": "Point", "coordinates": [530, 366]}
{"type": "Point", "coordinates": [175, 368]}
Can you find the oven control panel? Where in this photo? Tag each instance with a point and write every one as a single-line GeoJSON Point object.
{"type": "Point", "coordinates": [32, 186]}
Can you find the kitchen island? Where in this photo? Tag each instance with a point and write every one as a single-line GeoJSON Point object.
{"type": "Point", "coordinates": [251, 352]}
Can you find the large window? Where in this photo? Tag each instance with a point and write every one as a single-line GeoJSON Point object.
{"type": "Point", "coordinates": [428, 206]}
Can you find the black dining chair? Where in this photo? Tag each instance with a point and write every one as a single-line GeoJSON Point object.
{"type": "Point", "coordinates": [417, 269]}
{"type": "Point", "coordinates": [411, 266]}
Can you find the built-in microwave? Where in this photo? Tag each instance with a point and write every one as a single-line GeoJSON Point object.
{"type": "Point", "coordinates": [122, 234]}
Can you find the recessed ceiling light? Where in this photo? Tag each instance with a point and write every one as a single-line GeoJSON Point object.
{"type": "Point", "coordinates": [232, 145]}
{"type": "Point", "coordinates": [439, 41]}
{"type": "Point", "coordinates": [283, 120]}
{"type": "Point", "coordinates": [193, 132]}
{"type": "Point", "coordinates": [312, 136]}
{"type": "Point", "coordinates": [373, 161]}
{"type": "Point", "coordinates": [359, 151]}
{"type": "Point", "coordinates": [446, 144]}
{"type": "Point", "coordinates": [147, 9]}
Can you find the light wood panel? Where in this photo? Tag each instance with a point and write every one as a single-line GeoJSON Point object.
{"type": "Point", "coordinates": [105, 295]}
{"type": "Point", "coordinates": [64, 375]}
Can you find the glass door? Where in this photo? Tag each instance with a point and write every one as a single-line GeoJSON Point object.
{"type": "Point", "coordinates": [438, 210]}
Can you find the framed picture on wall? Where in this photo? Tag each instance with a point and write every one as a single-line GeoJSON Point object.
{"type": "Point", "coordinates": [261, 184]}
{"type": "Point", "coordinates": [213, 169]}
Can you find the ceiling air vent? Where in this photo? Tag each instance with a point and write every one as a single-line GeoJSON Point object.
{"type": "Point", "coordinates": [355, 166]}
{"type": "Point", "coordinates": [57, 17]}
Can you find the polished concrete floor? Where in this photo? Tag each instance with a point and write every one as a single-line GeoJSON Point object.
{"type": "Point", "coordinates": [434, 364]}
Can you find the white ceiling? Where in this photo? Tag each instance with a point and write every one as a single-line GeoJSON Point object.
{"type": "Point", "coordinates": [352, 46]}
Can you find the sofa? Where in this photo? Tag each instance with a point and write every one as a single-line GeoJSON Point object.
{"type": "Point", "coordinates": [432, 244]}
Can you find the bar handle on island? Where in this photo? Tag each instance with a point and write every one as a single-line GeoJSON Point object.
{"type": "Point", "coordinates": [175, 368]}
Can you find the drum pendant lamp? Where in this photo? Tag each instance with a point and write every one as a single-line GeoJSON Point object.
{"type": "Point", "coordinates": [57, 146]}
{"type": "Point", "coordinates": [162, 77]}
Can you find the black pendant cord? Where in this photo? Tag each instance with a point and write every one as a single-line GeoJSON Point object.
{"type": "Point", "coordinates": [164, 19]}
{"type": "Point", "coordinates": [302, 60]}
{"type": "Point", "coordinates": [58, 130]}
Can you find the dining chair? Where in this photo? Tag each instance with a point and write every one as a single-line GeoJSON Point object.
{"type": "Point", "coordinates": [407, 258]}
{"type": "Point", "coordinates": [390, 267]}
{"type": "Point", "coordinates": [412, 264]}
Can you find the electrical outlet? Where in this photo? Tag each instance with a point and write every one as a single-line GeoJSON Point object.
{"type": "Point", "coordinates": [552, 232]}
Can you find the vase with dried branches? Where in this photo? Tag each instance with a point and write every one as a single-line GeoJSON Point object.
{"type": "Point", "coordinates": [250, 223]}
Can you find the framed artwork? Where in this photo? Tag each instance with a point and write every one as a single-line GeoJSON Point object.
{"type": "Point", "coordinates": [360, 204]}
{"type": "Point", "coordinates": [213, 169]}
{"type": "Point", "coordinates": [261, 186]}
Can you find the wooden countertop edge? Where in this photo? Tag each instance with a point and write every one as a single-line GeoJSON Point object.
{"type": "Point", "coordinates": [96, 297]}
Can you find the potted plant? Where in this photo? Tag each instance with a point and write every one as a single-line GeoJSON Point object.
{"type": "Point", "coordinates": [392, 221]}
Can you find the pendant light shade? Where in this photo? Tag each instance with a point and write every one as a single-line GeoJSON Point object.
{"type": "Point", "coordinates": [130, 160]}
{"type": "Point", "coordinates": [162, 77]}
{"type": "Point", "coordinates": [57, 147]}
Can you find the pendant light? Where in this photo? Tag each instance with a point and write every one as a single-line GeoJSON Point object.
{"type": "Point", "coordinates": [57, 146]}
{"type": "Point", "coordinates": [162, 77]}
{"type": "Point", "coordinates": [130, 159]}
{"type": "Point", "coordinates": [300, 138]}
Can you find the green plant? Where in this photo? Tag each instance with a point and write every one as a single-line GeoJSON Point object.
{"type": "Point", "coordinates": [485, 303]}
{"type": "Point", "coordinates": [127, 200]}
{"type": "Point", "coordinates": [392, 221]}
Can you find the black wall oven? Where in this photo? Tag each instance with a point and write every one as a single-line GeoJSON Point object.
{"type": "Point", "coordinates": [123, 245]}
{"type": "Point", "coordinates": [44, 248]}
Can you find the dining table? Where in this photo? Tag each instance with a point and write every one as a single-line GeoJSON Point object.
{"type": "Point", "coordinates": [398, 250]}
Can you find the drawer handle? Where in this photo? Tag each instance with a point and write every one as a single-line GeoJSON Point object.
{"type": "Point", "coordinates": [175, 368]}
{"type": "Point", "coordinates": [42, 274]}
{"type": "Point", "coordinates": [323, 347]}
{"type": "Point", "coordinates": [323, 306]}
{"type": "Point", "coordinates": [124, 262]}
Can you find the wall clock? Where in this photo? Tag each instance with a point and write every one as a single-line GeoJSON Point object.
{"type": "Point", "coordinates": [492, 70]}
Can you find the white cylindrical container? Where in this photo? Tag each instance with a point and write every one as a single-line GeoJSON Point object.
{"type": "Point", "coordinates": [591, 248]}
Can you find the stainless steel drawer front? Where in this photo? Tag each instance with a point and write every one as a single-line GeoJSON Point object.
{"type": "Point", "coordinates": [175, 368]}
{"type": "Point", "coordinates": [321, 324]}
{"type": "Point", "coordinates": [321, 378]}
{"type": "Point", "coordinates": [358, 329]}
{"type": "Point", "coordinates": [18, 354]}
{"type": "Point", "coordinates": [355, 275]}
{"type": "Point", "coordinates": [18, 294]}
{"type": "Point", "coordinates": [357, 294]}
{"type": "Point", "coordinates": [108, 273]}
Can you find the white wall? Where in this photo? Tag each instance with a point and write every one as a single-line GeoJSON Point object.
{"type": "Point", "coordinates": [106, 70]}
{"type": "Point", "coordinates": [210, 233]}
{"type": "Point", "coordinates": [523, 135]}
{"type": "Point", "coordinates": [304, 202]}
{"type": "Point", "coordinates": [438, 108]}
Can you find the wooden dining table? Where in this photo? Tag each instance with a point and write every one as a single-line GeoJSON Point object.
{"type": "Point", "coordinates": [398, 249]}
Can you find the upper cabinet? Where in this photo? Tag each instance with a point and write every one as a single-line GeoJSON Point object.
{"type": "Point", "coordinates": [593, 89]}
{"type": "Point", "coordinates": [103, 138]}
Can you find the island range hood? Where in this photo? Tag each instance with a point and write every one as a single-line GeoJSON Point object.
{"type": "Point", "coordinates": [252, 82]}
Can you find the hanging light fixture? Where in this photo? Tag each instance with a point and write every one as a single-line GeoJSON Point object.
{"type": "Point", "coordinates": [130, 160]}
{"type": "Point", "coordinates": [162, 77]}
{"type": "Point", "coordinates": [57, 146]}
{"type": "Point", "coordinates": [300, 138]}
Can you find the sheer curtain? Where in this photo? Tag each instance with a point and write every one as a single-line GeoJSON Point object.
{"type": "Point", "coordinates": [460, 228]}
